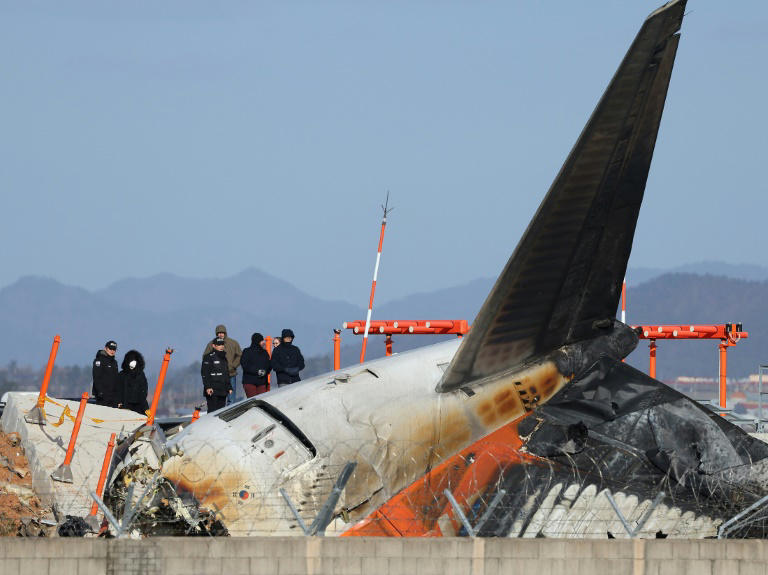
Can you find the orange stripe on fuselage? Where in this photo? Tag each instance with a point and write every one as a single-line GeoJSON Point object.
{"type": "Point", "coordinates": [415, 510]}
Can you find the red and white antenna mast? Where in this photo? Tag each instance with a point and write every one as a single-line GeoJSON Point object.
{"type": "Point", "coordinates": [386, 209]}
{"type": "Point", "coordinates": [624, 301]}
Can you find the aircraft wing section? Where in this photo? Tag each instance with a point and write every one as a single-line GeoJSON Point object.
{"type": "Point", "coordinates": [565, 274]}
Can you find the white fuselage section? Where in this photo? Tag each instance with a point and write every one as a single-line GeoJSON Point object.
{"type": "Point", "coordinates": [384, 414]}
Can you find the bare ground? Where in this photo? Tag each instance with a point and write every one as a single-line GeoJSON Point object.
{"type": "Point", "coordinates": [20, 509]}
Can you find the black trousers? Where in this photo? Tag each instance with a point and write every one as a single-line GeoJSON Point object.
{"type": "Point", "coordinates": [215, 402]}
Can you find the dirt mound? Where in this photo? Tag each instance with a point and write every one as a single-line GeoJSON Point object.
{"type": "Point", "coordinates": [20, 509]}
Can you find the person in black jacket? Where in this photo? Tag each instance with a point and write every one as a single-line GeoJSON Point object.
{"type": "Point", "coordinates": [287, 360]}
{"type": "Point", "coordinates": [133, 383]}
{"type": "Point", "coordinates": [215, 373]}
{"type": "Point", "coordinates": [256, 366]}
{"type": "Point", "coordinates": [106, 380]}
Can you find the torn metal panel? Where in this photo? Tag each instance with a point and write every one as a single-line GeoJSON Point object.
{"type": "Point", "coordinates": [613, 449]}
{"type": "Point", "coordinates": [234, 462]}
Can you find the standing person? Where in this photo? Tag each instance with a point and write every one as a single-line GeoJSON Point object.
{"type": "Point", "coordinates": [233, 351]}
{"type": "Point", "coordinates": [217, 384]}
{"type": "Point", "coordinates": [106, 381]}
{"type": "Point", "coordinates": [134, 383]}
{"type": "Point", "coordinates": [287, 360]}
{"type": "Point", "coordinates": [275, 343]}
{"type": "Point", "coordinates": [256, 366]}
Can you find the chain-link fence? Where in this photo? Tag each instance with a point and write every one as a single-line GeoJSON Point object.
{"type": "Point", "coordinates": [228, 487]}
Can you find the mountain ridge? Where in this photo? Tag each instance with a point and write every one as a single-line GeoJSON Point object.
{"type": "Point", "coordinates": [151, 313]}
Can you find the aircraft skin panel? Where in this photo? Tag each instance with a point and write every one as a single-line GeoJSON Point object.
{"type": "Point", "coordinates": [393, 442]}
{"type": "Point", "coordinates": [566, 272]}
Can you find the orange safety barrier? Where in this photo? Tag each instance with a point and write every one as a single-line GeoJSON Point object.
{"type": "Point", "coordinates": [731, 332]}
{"type": "Point", "coordinates": [407, 327]}
{"type": "Point", "coordinates": [63, 472]}
{"type": "Point", "coordinates": [729, 335]}
{"type": "Point", "coordinates": [103, 475]}
{"type": "Point", "coordinates": [159, 386]}
{"type": "Point", "coordinates": [37, 413]}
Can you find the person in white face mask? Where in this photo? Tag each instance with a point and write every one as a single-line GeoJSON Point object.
{"type": "Point", "coordinates": [133, 383]}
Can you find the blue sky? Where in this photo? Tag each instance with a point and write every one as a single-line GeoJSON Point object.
{"type": "Point", "coordinates": [202, 138]}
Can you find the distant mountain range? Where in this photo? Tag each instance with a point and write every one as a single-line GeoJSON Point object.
{"type": "Point", "coordinates": [639, 275]}
{"type": "Point", "coordinates": [152, 313]}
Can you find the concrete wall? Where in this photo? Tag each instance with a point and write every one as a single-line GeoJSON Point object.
{"type": "Point", "coordinates": [379, 556]}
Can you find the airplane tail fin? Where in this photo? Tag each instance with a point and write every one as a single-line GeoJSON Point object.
{"type": "Point", "coordinates": [565, 274]}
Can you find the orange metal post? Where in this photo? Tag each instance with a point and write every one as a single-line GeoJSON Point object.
{"type": "Point", "coordinates": [37, 413]}
{"type": "Point", "coordinates": [159, 386]}
{"type": "Point", "coordinates": [195, 415]}
{"type": "Point", "coordinates": [336, 349]}
{"type": "Point", "coordinates": [389, 345]}
{"type": "Point", "coordinates": [723, 369]}
{"type": "Point", "coordinates": [268, 339]}
{"type": "Point", "coordinates": [63, 472]}
{"type": "Point", "coordinates": [103, 475]}
{"type": "Point", "coordinates": [652, 370]}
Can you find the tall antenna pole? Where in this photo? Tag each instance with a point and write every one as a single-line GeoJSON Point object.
{"type": "Point", "coordinates": [624, 301]}
{"type": "Point", "coordinates": [386, 209]}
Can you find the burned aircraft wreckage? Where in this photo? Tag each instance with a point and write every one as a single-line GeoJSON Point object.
{"type": "Point", "coordinates": [537, 388]}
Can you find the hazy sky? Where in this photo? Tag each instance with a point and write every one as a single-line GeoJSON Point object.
{"type": "Point", "coordinates": [202, 138]}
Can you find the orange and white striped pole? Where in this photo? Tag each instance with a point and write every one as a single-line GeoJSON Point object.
{"type": "Point", "coordinates": [624, 301]}
{"type": "Point", "coordinates": [375, 276]}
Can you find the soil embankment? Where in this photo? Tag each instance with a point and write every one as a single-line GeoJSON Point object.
{"type": "Point", "coordinates": [20, 509]}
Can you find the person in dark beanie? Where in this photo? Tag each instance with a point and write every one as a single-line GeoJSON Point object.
{"type": "Point", "coordinates": [106, 380]}
{"type": "Point", "coordinates": [233, 351]}
{"type": "Point", "coordinates": [215, 373]}
{"type": "Point", "coordinates": [133, 383]}
{"type": "Point", "coordinates": [256, 366]}
{"type": "Point", "coordinates": [287, 360]}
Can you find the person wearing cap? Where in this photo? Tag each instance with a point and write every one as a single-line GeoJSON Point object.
{"type": "Point", "coordinates": [256, 366]}
{"type": "Point", "coordinates": [234, 353]}
{"type": "Point", "coordinates": [287, 360]}
{"type": "Point", "coordinates": [133, 383]}
{"type": "Point", "coordinates": [106, 381]}
{"type": "Point", "coordinates": [215, 373]}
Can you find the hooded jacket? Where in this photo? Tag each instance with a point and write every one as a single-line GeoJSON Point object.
{"type": "Point", "coordinates": [133, 383]}
{"type": "Point", "coordinates": [214, 373]}
{"type": "Point", "coordinates": [287, 362]}
{"type": "Point", "coordinates": [106, 380]}
{"type": "Point", "coordinates": [231, 349]}
{"type": "Point", "coordinates": [255, 362]}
